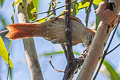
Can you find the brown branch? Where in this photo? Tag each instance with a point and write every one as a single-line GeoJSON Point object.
{"type": "Point", "coordinates": [97, 46]}
{"type": "Point", "coordinates": [50, 61]}
{"type": "Point", "coordinates": [68, 33]}
{"type": "Point", "coordinates": [69, 70]}
{"type": "Point", "coordinates": [88, 13]}
{"type": "Point", "coordinates": [106, 51]}
{"type": "Point", "coordinates": [29, 45]}
{"type": "Point", "coordinates": [1, 32]}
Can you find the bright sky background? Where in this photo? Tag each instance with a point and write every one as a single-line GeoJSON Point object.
{"type": "Point", "coordinates": [21, 71]}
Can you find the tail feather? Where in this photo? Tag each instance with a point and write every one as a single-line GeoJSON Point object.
{"type": "Point", "coordinates": [26, 30]}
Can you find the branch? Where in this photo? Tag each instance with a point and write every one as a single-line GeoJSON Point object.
{"type": "Point", "coordinates": [97, 46]}
{"type": "Point", "coordinates": [56, 8]}
{"type": "Point", "coordinates": [105, 52]}
{"type": "Point", "coordinates": [50, 61]}
{"type": "Point", "coordinates": [70, 68]}
{"type": "Point", "coordinates": [113, 49]}
{"type": "Point", "coordinates": [88, 13]}
{"type": "Point", "coordinates": [68, 33]}
{"type": "Point", "coordinates": [29, 45]}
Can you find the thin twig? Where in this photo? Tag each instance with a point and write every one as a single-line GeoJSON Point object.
{"type": "Point", "coordinates": [88, 13]}
{"type": "Point", "coordinates": [50, 61]}
{"type": "Point", "coordinates": [8, 73]}
{"type": "Point", "coordinates": [113, 49]}
{"type": "Point", "coordinates": [105, 52]}
{"type": "Point", "coordinates": [50, 10]}
{"type": "Point", "coordinates": [42, 18]}
{"type": "Point", "coordinates": [47, 17]}
{"type": "Point", "coordinates": [55, 8]}
{"type": "Point", "coordinates": [4, 31]}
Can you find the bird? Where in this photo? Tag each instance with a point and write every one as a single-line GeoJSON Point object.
{"type": "Point", "coordinates": [53, 30]}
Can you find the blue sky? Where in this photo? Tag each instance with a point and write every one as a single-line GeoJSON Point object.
{"type": "Point", "coordinates": [21, 70]}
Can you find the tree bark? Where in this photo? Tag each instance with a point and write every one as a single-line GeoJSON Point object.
{"type": "Point", "coordinates": [97, 47]}
{"type": "Point", "coordinates": [29, 45]}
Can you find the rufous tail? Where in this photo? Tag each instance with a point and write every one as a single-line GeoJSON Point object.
{"type": "Point", "coordinates": [25, 30]}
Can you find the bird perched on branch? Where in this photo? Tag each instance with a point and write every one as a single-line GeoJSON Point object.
{"type": "Point", "coordinates": [53, 30]}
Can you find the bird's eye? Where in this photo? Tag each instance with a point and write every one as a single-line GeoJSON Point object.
{"type": "Point", "coordinates": [110, 6]}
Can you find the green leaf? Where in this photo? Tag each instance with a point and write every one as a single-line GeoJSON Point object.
{"type": "Point", "coordinates": [56, 52]}
{"type": "Point", "coordinates": [96, 2]}
{"type": "Point", "coordinates": [13, 12]}
{"type": "Point", "coordinates": [11, 74]}
{"type": "Point", "coordinates": [97, 18]}
{"type": "Point", "coordinates": [49, 9]}
{"type": "Point", "coordinates": [97, 22]}
{"type": "Point", "coordinates": [31, 10]}
{"type": "Point", "coordinates": [4, 53]}
{"type": "Point", "coordinates": [75, 8]}
{"type": "Point", "coordinates": [83, 5]}
{"type": "Point", "coordinates": [16, 2]}
{"type": "Point", "coordinates": [35, 3]}
{"type": "Point", "coordinates": [52, 6]}
{"type": "Point", "coordinates": [74, 52]}
{"type": "Point", "coordinates": [10, 46]}
{"type": "Point", "coordinates": [42, 20]}
{"type": "Point", "coordinates": [52, 53]}
{"type": "Point", "coordinates": [1, 3]}
{"type": "Point", "coordinates": [113, 74]}
{"type": "Point", "coordinates": [86, 3]}
{"type": "Point", "coordinates": [3, 21]}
